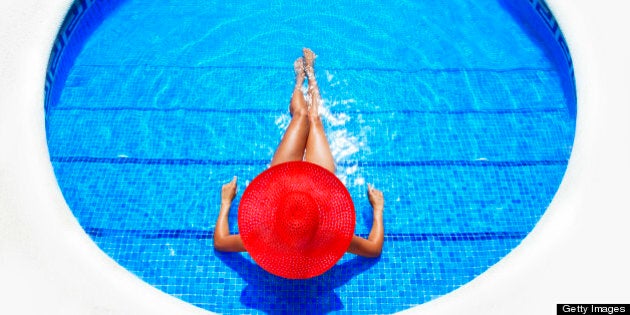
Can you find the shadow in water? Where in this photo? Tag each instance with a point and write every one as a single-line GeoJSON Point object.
{"type": "Point", "coordinates": [276, 295]}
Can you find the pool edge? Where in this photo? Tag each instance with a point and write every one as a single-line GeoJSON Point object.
{"type": "Point", "coordinates": [36, 271]}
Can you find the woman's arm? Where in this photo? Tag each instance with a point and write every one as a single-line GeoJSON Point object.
{"type": "Point", "coordinates": [373, 245]}
{"type": "Point", "coordinates": [223, 241]}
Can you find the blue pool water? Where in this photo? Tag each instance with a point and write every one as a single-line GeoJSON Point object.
{"type": "Point", "coordinates": [454, 109]}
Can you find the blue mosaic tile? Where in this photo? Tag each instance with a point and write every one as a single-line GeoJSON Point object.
{"type": "Point", "coordinates": [452, 108]}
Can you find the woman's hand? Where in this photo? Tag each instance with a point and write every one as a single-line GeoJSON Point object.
{"type": "Point", "coordinates": [228, 192]}
{"type": "Point", "coordinates": [373, 245]}
{"type": "Point", "coordinates": [223, 241]}
{"type": "Point", "coordinates": [376, 199]}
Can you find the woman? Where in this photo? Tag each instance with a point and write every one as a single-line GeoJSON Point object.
{"type": "Point", "coordinates": [304, 140]}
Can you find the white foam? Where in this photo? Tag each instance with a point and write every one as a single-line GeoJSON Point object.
{"type": "Point", "coordinates": [359, 181]}
{"type": "Point", "coordinates": [343, 144]}
{"type": "Point", "coordinates": [338, 119]}
{"type": "Point", "coordinates": [283, 121]}
{"type": "Point", "coordinates": [329, 76]}
{"type": "Point", "coordinates": [171, 250]}
{"type": "Point", "coordinates": [351, 169]}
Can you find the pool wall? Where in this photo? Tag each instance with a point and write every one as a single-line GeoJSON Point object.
{"type": "Point", "coordinates": [539, 19]}
{"type": "Point", "coordinates": [572, 256]}
{"type": "Point", "coordinates": [84, 16]}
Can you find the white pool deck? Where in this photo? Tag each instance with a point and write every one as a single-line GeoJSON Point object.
{"type": "Point", "coordinates": [578, 253]}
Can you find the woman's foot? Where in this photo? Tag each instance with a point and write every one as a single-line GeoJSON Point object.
{"type": "Point", "coordinates": [298, 105]}
{"type": "Point", "coordinates": [313, 89]}
{"type": "Point", "coordinates": [298, 67]}
{"type": "Point", "coordinates": [309, 63]}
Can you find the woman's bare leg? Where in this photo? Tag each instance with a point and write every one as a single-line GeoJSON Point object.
{"type": "Point", "coordinates": [317, 147]}
{"type": "Point", "coordinates": [293, 143]}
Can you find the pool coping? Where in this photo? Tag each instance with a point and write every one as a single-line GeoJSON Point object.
{"type": "Point", "coordinates": [46, 255]}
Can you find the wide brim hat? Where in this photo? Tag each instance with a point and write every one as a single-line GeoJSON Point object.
{"type": "Point", "coordinates": [296, 220]}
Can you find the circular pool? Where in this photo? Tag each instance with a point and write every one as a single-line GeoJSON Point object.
{"type": "Point", "coordinates": [464, 117]}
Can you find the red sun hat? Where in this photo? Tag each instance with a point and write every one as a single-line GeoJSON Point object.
{"type": "Point", "coordinates": [296, 220]}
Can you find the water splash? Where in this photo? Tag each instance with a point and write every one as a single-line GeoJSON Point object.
{"type": "Point", "coordinates": [344, 144]}
{"type": "Point", "coordinates": [329, 76]}
{"type": "Point", "coordinates": [336, 119]}
{"type": "Point", "coordinates": [282, 121]}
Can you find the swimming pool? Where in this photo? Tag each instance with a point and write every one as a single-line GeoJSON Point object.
{"type": "Point", "coordinates": [48, 258]}
{"type": "Point", "coordinates": [448, 219]}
